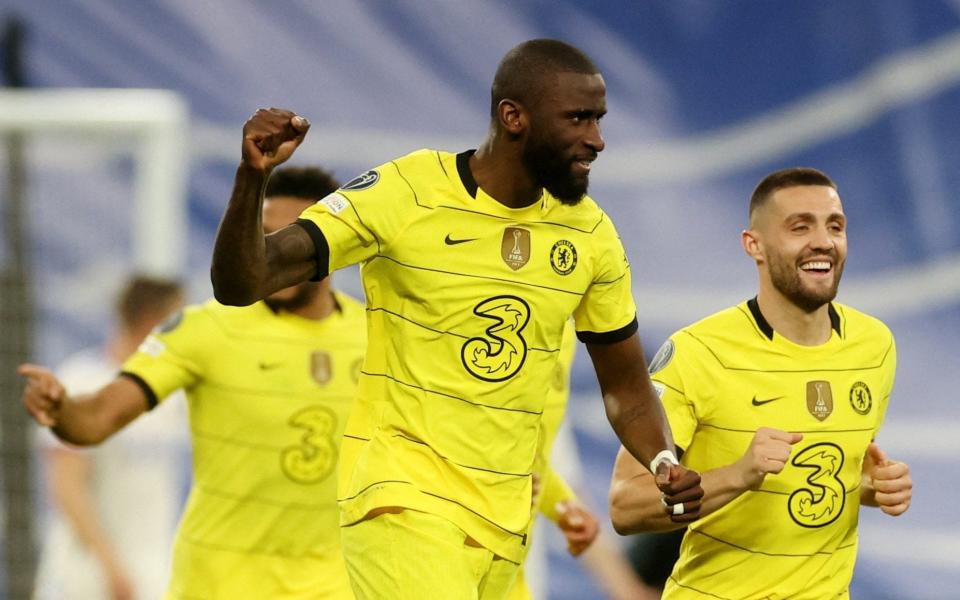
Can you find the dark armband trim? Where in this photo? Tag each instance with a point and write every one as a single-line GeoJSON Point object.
{"type": "Point", "coordinates": [609, 337]}
{"type": "Point", "coordinates": [147, 390]}
{"type": "Point", "coordinates": [321, 247]}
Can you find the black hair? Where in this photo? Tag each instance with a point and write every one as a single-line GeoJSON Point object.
{"type": "Point", "coordinates": [309, 183]}
{"type": "Point", "coordinates": [520, 73]}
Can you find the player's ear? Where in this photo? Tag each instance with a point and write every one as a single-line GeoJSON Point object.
{"type": "Point", "coordinates": [512, 116]}
{"type": "Point", "coordinates": [751, 244]}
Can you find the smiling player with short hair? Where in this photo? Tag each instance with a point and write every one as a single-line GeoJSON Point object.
{"type": "Point", "coordinates": [776, 401]}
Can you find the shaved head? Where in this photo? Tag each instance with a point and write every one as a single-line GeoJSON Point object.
{"type": "Point", "coordinates": [523, 70]}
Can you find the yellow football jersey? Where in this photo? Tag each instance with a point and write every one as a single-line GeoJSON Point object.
{"type": "Point", "coordinates": [269, 395]}
{"type": "Point", "coordinates": [466, 305]}
{"type": "Point", "coordinates": [726, 376]}
{"type": "Point", "coordinates": [555, 489]}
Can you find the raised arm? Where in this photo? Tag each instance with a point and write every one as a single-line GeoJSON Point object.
{"type": "Point", "coordinates": [248, 266]}
{"type": "Point", "coordinates": [635, 412]}
{"type": "Point", "coordinates": [83, 420]}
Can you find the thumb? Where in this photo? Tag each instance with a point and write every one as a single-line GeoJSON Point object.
{"type": "Point", "coordinates": [300, 124]}
{"type": "Point", "coordinates": [795, 437]}
{"type": "Point", "coordinates": [663, 476]}
{"type": "Point", "coordinates": [878, 456]}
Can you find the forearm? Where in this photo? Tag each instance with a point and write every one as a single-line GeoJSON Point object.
{"type": "Point", "coordinates": [239, 267]}
{"type": "Point", "coordinates": [613, 573]}
{"type": "Point", "coordinates": [637, 417]}
{"type": "Point", "coordinates": [80, 423]}
{"type": "Point", "coordinates": [631, 403]}
{"type": "Point", "coordinates": [555, 490]}
{"type": "Point", "coordinates": [90, 419]}
{"type": "Point", "coordinates": [636, 507]}
{"type": "Point", "coordinates": [69, 486]}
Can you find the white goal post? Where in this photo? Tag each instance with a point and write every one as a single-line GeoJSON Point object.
{"type": "Point", "coordinates": [156, 122]}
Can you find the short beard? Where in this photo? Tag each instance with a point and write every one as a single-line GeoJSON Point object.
{"type": "Point", "coordinates": [787, 281]}
{"type": "Point", "coordinates": [305, 293]}
{"type": "Point", "coordinates": [553, 173]}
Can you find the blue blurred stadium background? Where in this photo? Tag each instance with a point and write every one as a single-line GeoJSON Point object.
{"type": "Point", "coordinates": [705, 97]}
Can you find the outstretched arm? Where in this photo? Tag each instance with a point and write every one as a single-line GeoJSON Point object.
{"type": "Point", "coordinates": [248, 266]}
{"type": "Point", "coordinates": [637, 416]}
{"type": "Point", "coordinates": [637, 505]}
{"type": "Point", "coordinates": [83, 420]}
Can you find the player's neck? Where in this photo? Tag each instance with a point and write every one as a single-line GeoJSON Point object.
{"type": "Point", "coordinates": [320, 307]}
{"type": "Point", "coordinates": [498, 170]}
{"type": "Point", "coordinates": [793, 323]}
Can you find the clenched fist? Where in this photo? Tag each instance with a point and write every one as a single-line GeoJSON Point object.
{"type": "Point", "coordinates": [578, 525]}
{"type": "Point", "coordinates": [768, 453]}
{"type": "Point", "coordinates": [681, 491]}
{"type": "Point", "coordinates": [890, 480]}
{"type": "Point", "coordinates": [271, 136]}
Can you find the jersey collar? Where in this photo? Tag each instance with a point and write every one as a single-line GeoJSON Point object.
{"type": "Point", "coordinates": [463, 169]}
{"type": "Point", "coordinates": [767, 330]}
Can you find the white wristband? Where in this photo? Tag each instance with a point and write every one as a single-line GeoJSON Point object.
{"type": "Point", "coordinates": [664, 455]}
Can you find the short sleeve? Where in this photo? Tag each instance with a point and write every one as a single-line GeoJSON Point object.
{"type": "Point", "coordinates": [359, 220]}
{"type": "Point", "coordinates": [667, 370]}
{"type": "Point", "coordinates": [172, 356]}
{"type": "Point", "coordinates": [607, 313]}
{"type": "Point", "coordinates": [889, 376]}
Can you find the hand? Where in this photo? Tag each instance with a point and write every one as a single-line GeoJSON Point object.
{"type": "Point", "coordinates": [893, 488]}
{"type": "Point", "coordinates": [679, 486]}
{"type": "Point", "coordinates": [768, 453]}
{"type": "Point", "coordinates": [43, 395]}
{"type": "Point", "coordinates": [121, 588]}
{"type": "Point", "coordinates": [578, 526]}
{"type": "Point", "coordinates": [270, 137]}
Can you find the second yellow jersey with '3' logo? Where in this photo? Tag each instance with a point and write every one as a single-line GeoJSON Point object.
{"type": "Point", "coordinates": [726, 376]}
{"type": "Point", "coordinates": [466, 305]}
{"type": "Point", "coordinates": [269, 395]}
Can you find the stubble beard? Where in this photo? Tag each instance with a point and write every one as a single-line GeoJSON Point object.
{"type": "Point", "coordinates": [785, 277]}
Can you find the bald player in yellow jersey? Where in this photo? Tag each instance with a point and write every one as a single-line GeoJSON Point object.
{"type": "Point", "coordinates": [472, 263]}
{"type": "Point", "coordinates": [270, 387]}
{"type": "Point", "coordinates": [777, 402]}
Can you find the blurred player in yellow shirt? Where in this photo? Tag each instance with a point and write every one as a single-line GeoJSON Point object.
{"type": "Point", "coordinates": [556, 500]}
{"type": "Point", "coordinates": [777, 402]}
{"type": "Point", "coordinates": [269, 387]}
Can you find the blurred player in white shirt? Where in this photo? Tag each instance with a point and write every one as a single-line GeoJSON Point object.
{"type": "Point", "coordinates": [115, 506]}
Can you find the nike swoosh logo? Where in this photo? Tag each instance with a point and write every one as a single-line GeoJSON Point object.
{"type": "Point", "coordinates": [756, 402]}
{"type": "Point", "coordinates": [452, 242]}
